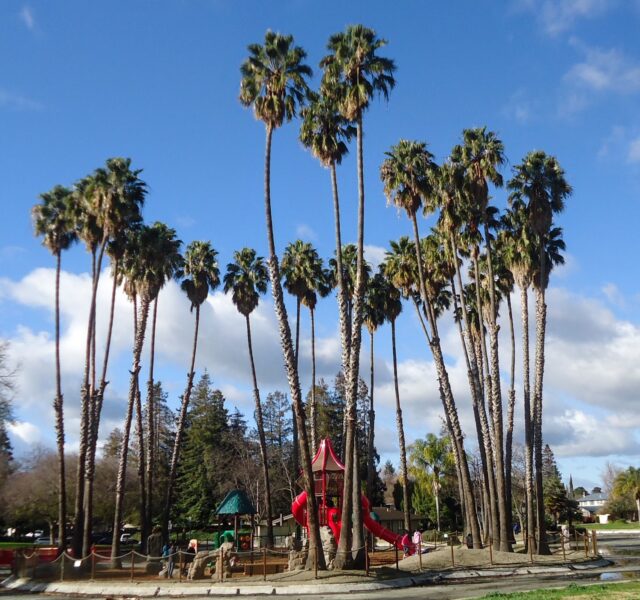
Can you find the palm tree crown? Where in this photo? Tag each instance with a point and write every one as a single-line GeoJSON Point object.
{"type": "Point", "coordinates": [325, 131]}
{"type": "Point", "coordinates": [274, 79]}
{"type": "Point", "coordinates": [53, 219]}
{"type": "Point", "coordinates": [201, 272]}
{"type": "Point", "coordinates": [408, 174]}
{"type": "Point", "coordinates": [246, 279]}
{"type": "Point", "coordinates": [353, 72]}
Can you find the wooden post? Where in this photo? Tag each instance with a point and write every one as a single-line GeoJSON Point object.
{"type": "Point", "coordinates": [490, 551]}
{"type": "Point", "coordinates": [396, 549]}
{"type": "Point", "coordinates": [62, 556]}
{"type": "Point", "coordinates": [575, 534]}
{"type": "Point", "coordinates": [315, 563]}
{"type": "Point", "coordinates": [366, 556]}
{"type": "Point", "coordinates": [564, 555]}
{"type": "Point", "coordinates": [180, 566]}
{"type": "Point", "coordinates": [133, 563]}
{"type": "Point", "coordinates": [530, 538]}
{"type": "Point", "coordinates": [586, 544]}
{"type": "Point", "coordinates": [264, 564]}
{"type": "Point", "coordinates": [453, 560]}
{"type": "Point", "coordinates": [420, 553]}
{"type": "Point", "coordinates": [93, 565]}
{"type": "Point", "coordinates": [221, 563]}
{"type": "Point", "coordinates": [594, 539]}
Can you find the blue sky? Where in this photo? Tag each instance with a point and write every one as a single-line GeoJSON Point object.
{"type": "Point", "coordinates": [158, 82]}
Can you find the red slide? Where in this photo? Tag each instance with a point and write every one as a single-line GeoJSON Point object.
{"type": "Point", "coordinates": [299, 506]}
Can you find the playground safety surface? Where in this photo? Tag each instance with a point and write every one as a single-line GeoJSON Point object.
{"type": "Point", "coordinates": [468, 565]}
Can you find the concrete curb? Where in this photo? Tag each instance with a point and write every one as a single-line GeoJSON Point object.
{"type": "Point", "coordinates": [150, 590]}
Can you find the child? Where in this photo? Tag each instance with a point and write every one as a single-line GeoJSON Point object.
{"type": "Point", "coordinates": [406, 542]}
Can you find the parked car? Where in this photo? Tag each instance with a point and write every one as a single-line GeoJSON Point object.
{"type": "Point", "coordinates": [44, 540]}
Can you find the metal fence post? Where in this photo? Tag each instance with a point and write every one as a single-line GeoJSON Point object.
{"type": "Point", "coordinates": [490, 551]}
{"type": "Point", "coordinates": [93, 565]}
{"type": "Point", "coordinates": [180, 566]}
{"type": "Point", "coordinates": [62, 556]}
{"type": "Point", "coordinates": [453, 559]}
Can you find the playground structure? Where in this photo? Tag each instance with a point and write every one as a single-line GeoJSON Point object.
{"type": "Point", "coordinates": [328, 481]}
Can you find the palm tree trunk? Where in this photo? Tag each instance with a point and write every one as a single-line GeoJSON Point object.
{"type": "Point", "coordinates": [141, 470]}
{"type": "Point", "coordinates": [342, 559]}
{"type": "Point", "coordinates": [528, 425]}
{"type": "Point", "coordinates": [295, 454]}
{"type": "Point", "coordinates": [262, 440]}
{"type": "Point", "coordinates": [446, 395]}
{"type": "Point", "coordinates": [182, 417]}
{"type": "Point", "coordinates": [95, 423]}
{"type": "Point", "coordinates": [140, 329]}
{"type": "Point", "coordinates": [504, 510]}
{"type": "Point", "coordinates": [508, 450]}
{"type": "Point", "coordinates": [541, 321]}
{"type": "Point", "coordinates": [151, 432]}
{"type": "Point", "coordinates": [372, 421]}
{"type": "Point", "coordinates": [406, 506]}
{"type": "Point", "coordinates": [313, 408]}
{"type": "Point", "coordinates": [343, 303]}
{"type": "Point", "coordinates": [493, 449]}
{"type": "Point", "coordinates": [315, 555]}
{"type": "Point", "coordinates": [59, 412]}
{"type": "Point", "coordinates": [85, 416]}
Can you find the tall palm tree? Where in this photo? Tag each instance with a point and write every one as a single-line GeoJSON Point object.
{"type": "Point", "coordinates": [519, 257]}
{"type": "Point", "coordinates": [354, 73]}
{"type": "Point", "coordinates": [152, 252]}
{"type": "Point", "coordinates": [274, 83]}
{"type": "Point", "coordinates": [53, 220]}
{"type": "Point", "coordinates": [373, 319]}
{"type": "Point", "coordinates": [481, 155]}
{"type": "Point", "coordinates": [246, 278]}
{"type": "Point", "coordinates": [108, 200]}
{"type": "Point", "coordinates": [408, 177]}
{"type": "Point", "coordinates": [201, 275]}
{"type": "Point", "coordinates": [540, 181]}
{"type": "Point", "coordinates": [326, 133]}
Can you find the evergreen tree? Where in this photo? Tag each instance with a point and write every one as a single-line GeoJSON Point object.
{"type": "Point", "coordinates": [199, 486]}
{"type": "Point", "coordinates": [549, 466]}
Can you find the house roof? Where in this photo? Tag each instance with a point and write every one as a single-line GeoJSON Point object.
{"type": "Point", "coordinates": [236, 502]}
{"type": "Point", "coordinates": [592, 498]}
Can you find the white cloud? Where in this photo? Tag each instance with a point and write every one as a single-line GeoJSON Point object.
{"type": "Point", "coordinates": [305, 232]}
{"type": "Point", "coordinates": [558, 16]}
{"type": "Point", "coordinates": [633, 154]}
{"type": "Point", "coordinates": [374, 255]}
{"type": "Point", "coordinates": [27, 432]}
{"type": "Point", "coordinates": [614, 295]}
{"type": "Point", "coordinates": [519, 107]}
{"type": "Point", "coordinates": [605, 70]}
{"type": "Point", "coordinates": [14, 101]}
{"type": "Point", "coordinates": [27, 17]}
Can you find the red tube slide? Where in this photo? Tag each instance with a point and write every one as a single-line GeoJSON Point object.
{"type": "Point", "coordinates": [299, 506]}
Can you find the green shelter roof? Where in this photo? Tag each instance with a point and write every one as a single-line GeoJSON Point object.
{"type": "Point", "coordinates": [236, 502]}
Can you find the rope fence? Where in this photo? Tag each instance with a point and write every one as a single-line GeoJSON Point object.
{"type": "Point", "coordinates": [225, 563]}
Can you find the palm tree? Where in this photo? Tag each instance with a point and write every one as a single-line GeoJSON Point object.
{"type": "Point", "coordinates": [373, 318]}
{"type": "Point", "coordinates": [353, 74]}
{"type": "Point", "coordinates": [408, 177]}
{"type": "Point", "coordinates": [107, 202]}
{"type": "Point", "coordinates": [326, 133]}
{"type": "Point", "coordinates": [52, 219]}
{"type": "Point", "coordinates": [152, 252]}
{"type": "Point", "coordinates": [540, 181]}
{"type": "Point", "coordinates": [274, 83]}
{"type": "Point", "coordinates": [433, 455]}
{"type": "Point", "coordinates": [628, 483]}
{"type": "Point", "coordinates": [480, 155]}
{"type": "Point", "coordinates": [202, 275]}
{"type": "Point", "coordinates": [246, 279]}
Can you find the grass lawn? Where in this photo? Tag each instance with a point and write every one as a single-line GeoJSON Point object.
{"type": "Point", "coordinates": [11, 545]}
{"type": "Point", "coordinates": [612, 525]}
{"type": "Point", "coordinates": [614, 591]}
